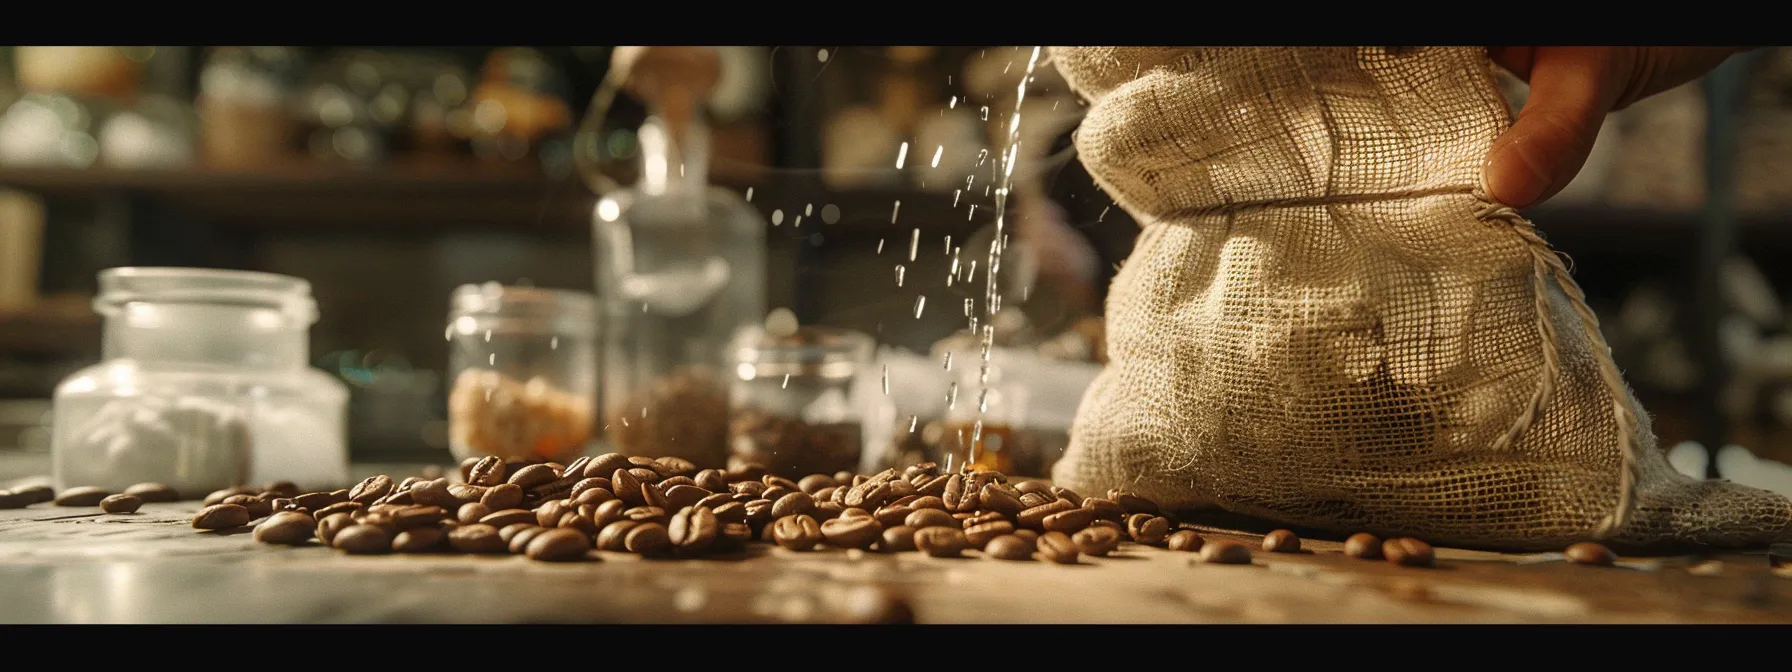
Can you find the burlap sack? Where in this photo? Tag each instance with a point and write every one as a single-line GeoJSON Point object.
{"type": "Point", "coordinates": [1324, 324]}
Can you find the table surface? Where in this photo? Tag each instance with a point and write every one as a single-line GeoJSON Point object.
{"type": "Point", "coordinates": [77, 565]}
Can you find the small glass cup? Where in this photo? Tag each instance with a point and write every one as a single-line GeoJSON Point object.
{"type": "Point", "coordinates": [524, 365]}
{"type": "Point", "coordinates": [796, 405]}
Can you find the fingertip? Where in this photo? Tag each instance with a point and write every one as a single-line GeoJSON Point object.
{"type": "Point", "coordinates": [1510, 177]}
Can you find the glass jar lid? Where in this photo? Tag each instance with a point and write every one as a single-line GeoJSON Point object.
{"type": "Point", "coordinates": [120, 287]}
{"type": "Point", "coordinates": [808, 352]}
{"type": "Point", "coordinates": [525, 309]}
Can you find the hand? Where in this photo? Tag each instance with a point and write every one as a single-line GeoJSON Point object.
{"type": "Point", "coordinates": [1572, 89]}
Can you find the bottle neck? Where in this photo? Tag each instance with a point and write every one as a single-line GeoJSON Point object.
{"type": "Point", "coordinates": [674, 146]}
{"type": "Point", "coordinates": [207, 336]}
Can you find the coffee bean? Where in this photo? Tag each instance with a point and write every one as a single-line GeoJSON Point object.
{"type": "Point", "coordinates": [153, 493]}
{"type": "Point", "coordinates": [1069, 521]}
{"type": "Point", "coordinates": [519, 542]}
{"type": "Point", "coordinates": [1186, 540]}
{"type": "Point", "coordinates": [1364, 546]}
{"type": "Point", "coordinates": [549, 513]}
{"type": "Point", "coordinates": [286, 489]}
{"type": "Point", "coordinates": [532, 476]}
{"type": "Point", "coordinates": [898, 539]}
{"type": "Point", "coordinates": [371, 490]}
{"type": "Point", "coordinates": [1057, 547]}
{"type": "Point", "coordinates": [1097, 541]}
{"type": "Point", "coordinates": [1029, 500]}
{"type": "Point", "coordinates": [652, 496]}
{"type": "Point", "coordinates": [1010, 547]}
{"type": "Point", "coordinates": [379, 520]}
{"type": "Point", "coordinates": [221, 517]}
{"type": "Point", "coordinates": [626, 486]}
{"type": "Point", "coordinates": [1225, 553]}
{"type": "Point", "coordinates": [613, 537]}
{"type": "Point", "coordinates": [997, 498]}
{"type": "Point", "coordinates": [1408, 552]}
{"type": "Point", "coordinates": [580, 521]}
{"type": "Point", "coordinates": [1281, 541]}
{"type": "Point", "coordinates": [648, 539]}
{"type": "Point", "coordinates": [1028, 535]}
{"type": "Point", "coordinates": [815, 483]}
{"type": "Point", "coordinates": [679, 481]}
{"type": "Point", "coordinates": [749, 488]}
{"type": "Point", "coordinates": [678, 465]}
{"type": "Point", "coordinates": [1104, 509]}
{"type": "Point", "coordinates": [315, 501]}
{"type": "Point", "coordinates": [417, 540]}
{"type": "Point", "coordinates": [328, 526]}
{"type": "Point", "coordinates": [34, 494]}
{"type": "Point", "coordinates": [795, 503]}
{"type": "Point", "coordinates": [648, 514]}
{"type": "Point", "coordinates": [981, 534]}
{"type": "Point", "coordinates": [935, 486]}
{"type": "Point", "coordinates": [1068, 495]}
{"type": "Point", "coordinates": [487, 471]}
{"type": "Point", "coordinates": [941, 542]}
{"type": "Point", "coordinates": [508, 517]}
{"type": "Point", "coordinates": [501, 497]}
{"type": "Point", "coordinates": [846, 478]}
{"type": "Point", "coordinates": [476, 538]}
{"type": "Point", "coordinates": [891, 516]}
{"type": "Point", "coordinates": [927, 502]}
{"type": "Point", "coordinates": [81, 496]}
{"type": "Point", "coordinates": [509, 532]}
{"type": "Point", "coordinates": [257, 507]}
{"type": "Point", "coordinates": [589, 484]}
{"type": "Point", "coordinates": [121, 504]}
{"type": "Point", "coordinates": [559, 545]}
{"type": "Point", "coordinates": [434, 493]}
{"type": "Point", "coordinates": [13, 500]}
{"type": "Point", "coordinates": [285, 505]}
{"type": "Point", "coordinates": [728, 512]}
{"type": "Point", "coordinates": [925, 518]}
{"type": "Point", "coordinates": [217, 496]}
{"type": "Point", "coordinates": [464, 493]}
{"type": "Point", "coordinates": [1034, 518]}
{"type": "Point", "coordinates": [327, 511]}
{"type": "Point", "coordinates": [858, 533]}
{"type": "Point", "coordinates": [1589, 553]}
{"type": "Point", "coordinates": [798, 533]}
{"type": "Point", "coordinates": [693, 530]}
{"type": "Point", "coordinates": [418, 516]}
{"type": "Point", "coordinates": [759, 512]}
{"type": "Point", "coordinates": [684, 496]}
{"type": "Point", "coordinates": [659, 471]}
{"type": "Point", "coordinates": [868, 495]}
{"type": "Point", "coordinates": [828, 510]}
{"type": "Point", "coordinates": [605, 464]}
{"type": "Point", "coordinates": [593, 497]}
{"type": "Point", "coordinates": [472, 512]}
{"type": "Point", "coordinates": [364, 540]}
{"type": "Point", "coordinates": [956, 497]}
{"type": "Point", "coordinates": [286, 527]}
{"type": "Point", "coordinates": [711, 479]}
{"type": "Point", "coordinates": [466, 468]}
{"type": "Point", "coordinates": [1147, 529]}
{"type": "Point", "coordinates": [1133, 503]}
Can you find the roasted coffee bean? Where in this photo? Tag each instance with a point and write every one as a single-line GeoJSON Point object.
{"type": "Point", "coordinates": [1029, 500]}
{"type": "Point", "coordinates": [398, 498]}
{"type": "Point", "coordinates": [364, 540]}
{"type": "Point", "coordinates": [645, 475]}
{"type": "Point", "coordinates": [776, 492]}
{"type": "Point", "coordinates": [587, 484]}
{"type": "Point", "coordinates": [256, 507]}
{"type": "Point", "coordinates": [1281, 541]}
{"type": "Point", "coordinates": [900, 489]}
{"type": "Point", "coordinates": [798, 533]}
{"type": "Point", "coordinates": [1097, 541]}
{"type": "Point", "coordinates": [466, 468]}
{"type": "Point", "coordinates": [1057, 547]}
{"type": "Point", "coordinates": [648, 514]}
{"type": "Point", "coordinates": [1408, 552]}
{"type": "Point", "coordinates": [434, 493]}
{"type": "Point", "coordinates": [676, 481]}
{"type": "Point", "coordinates": [712, 480]}
{"type": "Point", "coordinates": [1010, 547]}
{"type": "Point", "coordinates": [958, 497]}
{"type": "Point", "coordinates": [1028, 535]}
{"type": "Point", "coordinates": [532, 476]}
{"type": "Point", "coordinates": [476, 538]}
{"type": "Point", "coordinates": [593, 497]}
{"type": "Point", "coordinates": [605, 464]}
{"type": "Point", "coordinates": [734, 536]}
{"type": "Point", "coordinates": [855, 513]}
{"type": "Point", "coordinates": [604, 513]}
{"type": "Point", "coordinates": [268, 497]}
{"type": "Point", "coordinates": [417, 540]}
{"type": "Point", "coordinates": [487, 471]}
{"type": "Point", "coordinates": [316, 501]}
{"type": "Point", "coordinates": [795, 503]}
{"type": "Point", "coordinates": [463, 493]}
{"type": "Point", "coordinates": [684, 496]}
{"type": "Point", "coordinates": [627, 487]}
{"type": "Point", "coordinates": [651, 495]}
{"type": "Point", "coordinates": [923, 469]}
{"type": "Point", "coordinates": [559, 545]}
{"type": "Point", "coordinates": [153, 493]}
{"type": "Point", "coordinates": [328, 526]}
{"type": "Point", "coordinates": [935, 486]}
{"type": "Point", "coordinates": [1069, 521]}
{"type": "Point", "coordinates": [579, 520]}
{"type": "Point", "coordinates": [384, 508]}
{"type": "Point", "coordinates": [730, 512]}
{"type": "Point", "coordinates": [339, 507]}
{"type": "Point", "coordinates": [81, 496]}
{"type": "Point", "coordinates": [924, 518]}
{"type": "Point", "coordinates": [1147, 529]}
{"type": "Point", "coordinates": [410, 481]}
{"type": "Point", "coordinates": [371, 489]}
{"type": "Point", "coordinates": [1133, 503]}
{"type": "Point", "coordinates": [776, 481]}
{"type": "Point", "coordinates": [501, 497]}
{"type": "Point", "coordinates": [891, 516]}
{"type": "Point", "coordinates": [13, 500]}
{"type": "Point", "coordinates": [510, 531]}
{"type": "Point", "coordinates": [1068, 495]}
{"type": "Point", "coordinates": [858, 533]}
{"type": "Point", "coordinates": [613, 537]}
{"type": "Point", "coordinates": [472, 512]}
{"type": "Point", "coordinates": [648, 539]}
{"type": "Point", "coordinates": [897, 539]}
{"type": "Point", "coordinates": [715, 501]}
{"type": "Point", "coordinates": [418, 516]}
{"type": "Point", "coordinates": [519, 542]}
{"type": "Point", "coordinates": [217, 496]}
{"type": "Point", "coordinates": [678, 465]}
{"type": "Point", "coordinates": [650, 464]}
{"type": "Point", "coordinates": [981, 534]}
{"type": "Point", "coordinates": [927, 502]}
{"type": "Point", "coordinates": [121, 504]}
{"type": "Point", "coordinates": [379, 520]}
{"type": "Point", "coordinates": [828, 510]}
{"type": "Point", "coordinates": [285, 505]}
{"type": "Point", "coordinates": [868, 495]}
{"type": "Point", "coordinates": [1104, 509]}
{"type": "Point", "coordinates": [751, 488]}
{"type": "Point", "coordinates": [844, 477]}
{"type": "Point", "coordinates": [508, 517]}
{"type": "Point", "coordinates": [286, 489]}
{"type": "Point", "coordinates": [1034, 518]}
{"type": "Point", "coordinates": [759, 512]}
{"type": "Point", "coordinates": [1364, 546]}
{"type": "Point", "coordinates": [1589, 553]}
{"type": "Point", "coordinates": [286, 527]}
{"type": "Point", "coordinates": [941, 542]}
{"type": "Point", "coordinates": [827, 494]}
{"type": "Point", "coordinates": [1225, 553]}
{"type": "Point", "coordinates": [34, 494]}
{"type": "Point", "coordinates": [999, 499]}
{"type": "Point", "coordinates": [815, 483]}
{"type": "Point", "coordinates": [1033, 487]}
{"type": "Point", "coordinates": [1187, 541]}
{"type": "Point", "coordinates": [694, 530]}
{"type": "Point", "coordinates": [548, 515]}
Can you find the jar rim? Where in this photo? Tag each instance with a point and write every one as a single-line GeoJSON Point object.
{"type": "Point", "coordinates": [169, 284]}
{"type": "Point", "coordinates": [491, 298]}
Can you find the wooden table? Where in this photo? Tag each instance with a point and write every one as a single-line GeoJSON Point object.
{"type": "Point", "coordinates": [61, 565]}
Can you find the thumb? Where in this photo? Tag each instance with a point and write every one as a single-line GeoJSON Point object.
{"type": "Point", "coordinates": [1572, 89]}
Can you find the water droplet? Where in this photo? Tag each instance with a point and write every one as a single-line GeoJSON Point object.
{"type": "Point", "coordinates": [953, 104]}
{"type": "Point", "coordinates": [808, 209]}
{"type": "Point", "coordinates": [936, 156]}
{"type": "Point", "coordinates": [749, 194]}
{"type": "Point", "coordinates": [798, 221]}
{"type": "Point", "coordinates": [948, 245]}
{"type": "Point", "coordinates": [821, 55]}
{"type": "Point", "coordinates": [920, 302]}
{"type": "Point", "coordinates": [1104, 213]}
{"type": "Point", "coordinates": [983, 401]}
{"type": "Point", "coordinates": [777, 217]}
{"type": "Point", "coordinates": [899, 271]}
{"type": "Point", "coordinates": [894, 210]}
{"type": "Point", "coordinates": [948, 361]}
{"type": "Point", "coordinates": [912, 420]}
{"type": "Point", "coordinates": [786, 381]}
{"type": "Point", "coordinates": [880, 246]}
{"type": "Point", "coordinates": [952, 396]}
{"type": "Point", "coordinates": [554, 343]}
{"type": "Point", "coordinates": [886, 379]}
{"type": "Point", "coordinates": [901, 155]}
{"type": "Point", "coordinates": [488, 335]}
{"type": "Point", "coordinates": [492, 359]}
{"type": "Point", "coordinates": [914, 244]}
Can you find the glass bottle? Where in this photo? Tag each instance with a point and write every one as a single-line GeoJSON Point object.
{"type": "Point", "coordinates": [524, 363]}
{"type": "Point", "coordinates": [205, 384]}
{"type": "Point", "coordinates": [680, 267]}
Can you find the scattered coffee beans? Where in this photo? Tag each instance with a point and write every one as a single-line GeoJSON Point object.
{"type": "Point", "coordinates": [221, 517]}
{"type": "Point", "coordinates": [798, 533]}
{"type": "Point", "coordinates": [1408, 552]}
{"type": "Point", "coordinates": [417, 540]}
{"type": "Point", "coordinates": [476, 538]}
{"type": "Point", "coordinates": [1187, 541]}
{"type": "Point", "coordinates": [1225, 553]}
{"type": "Point", "coordinates": [941, 542]}
{"type": "Point", "coordinates": [81, 496]}
{"type": "Point", "coordinates": [558, 545]}
{"type": "Point", "coordinates": [286, 527]}
{"type": "Point", "coordinates": [648, 539]}
{"type": "Point", "coordinates": [1011, 547]}
{"type": "Point", "coordinates": [364, 540]}
{"type": "Point", "coordinates": [899, 539]}
{"type": "Point", "coordinates": [1097, 541]}
{"type": "Point", "coordinates": [858, 533]}
{"type": "Point", "coordinates": [1281, 541]}
{"type": "Point", "coordinates": [153, 493]}
{"type": "Point", "coordinates": [1057, 547]}
{"type": "Point", "coordinates": [1589, 553]}
{"type": "Point", "coordinates": [1364, 546]}
{"type": "Point", "coordinates": [121, 504]}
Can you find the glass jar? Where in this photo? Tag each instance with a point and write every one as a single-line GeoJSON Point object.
{"type": "Point", "coordinates": [524, 364]}
{"type": "Point", "coordinates": [796, 403]}
{"type": "Point", "coordinates": [205, 384]}
{"type": "Point", "coordinates": [984, 425]}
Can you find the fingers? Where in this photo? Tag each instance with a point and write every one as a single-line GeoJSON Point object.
{"type": "Point", "coordinates": [1572, 88]}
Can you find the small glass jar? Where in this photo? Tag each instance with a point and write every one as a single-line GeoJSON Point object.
{"type": "Point", "coordinates": [524, 365]}
{"type": "Point", "coordinates": [984, 422]}
{"type": "Point", "coordinates": [797, 408]}
{"type": "Point", "coordinates": [205, 384]}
